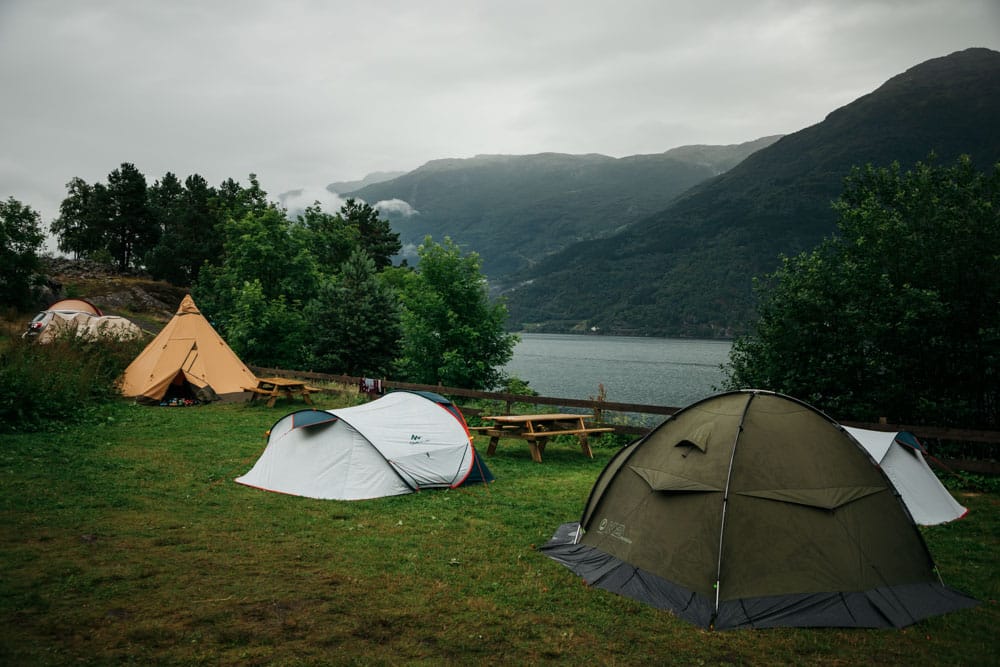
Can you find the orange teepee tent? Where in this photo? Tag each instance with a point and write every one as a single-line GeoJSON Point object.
{"type": "Point", "coordinates": [186, 356]}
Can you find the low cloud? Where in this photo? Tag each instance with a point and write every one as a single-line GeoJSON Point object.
{"type": "Point", "coordinates": [296, 201]}
{"type": "Point", "coordinates": [409, 253]}
{"type": "Point", "coordinates": [397, 207]}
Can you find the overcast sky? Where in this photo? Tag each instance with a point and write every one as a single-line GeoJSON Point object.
{"type": "Point", "coordinates": [303, 93]}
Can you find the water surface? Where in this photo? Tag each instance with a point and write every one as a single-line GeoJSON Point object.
{"type": "Point", "coordinates": [653, 371]}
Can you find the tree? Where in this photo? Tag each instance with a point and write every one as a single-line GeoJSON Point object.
{"type": "Point", "coordinates": [190, 228]}
{"type": "Point", "coordinates": [21, 238]}
{"type": "Point", "coordinates": [354, 321]}
{"type": "Point", "coordinates": [897, 315]}
{"type": "Point", "coordinates": [452, 334]}
{"type": "Point", "coordinates": [262, 246]}
{"type": "Point", "coordinates": [234, 201]}
{"type": "Point", "coordinates": [256, 290]}
{"type": "Point", "coordinates": [166, 205]}
{"type": "Point", "coordinates": [129, 228]}
{"type": "Point", "coordinates": [331, 237]}
{"type": "Point", "coordinates": [375, 233]}
{"type": "Point", "coordinates": [77, 228]}
{"type": "Point", "coordinates": [266, 331]}
{"type": "Point", "coordinates": [112, 223]}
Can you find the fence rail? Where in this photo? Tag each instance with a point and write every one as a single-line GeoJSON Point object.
{"type": "Point", "coordinates": [599, 407]}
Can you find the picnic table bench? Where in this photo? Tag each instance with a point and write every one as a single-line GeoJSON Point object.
{"type": "Point", "coordinates": [274, 388]}
{"type": "Point", "coordinates": [537, 429]}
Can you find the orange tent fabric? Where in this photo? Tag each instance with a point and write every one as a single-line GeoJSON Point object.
{"type": "Point", "coordinates": [76, 305]}
{"type": "Point", "coordinates": [188, 350]}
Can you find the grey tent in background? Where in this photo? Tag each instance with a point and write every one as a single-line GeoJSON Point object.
{"type": "Point", "coordinates": [901, 457]}
{"type": "Point", "coordinates": [753, 509]}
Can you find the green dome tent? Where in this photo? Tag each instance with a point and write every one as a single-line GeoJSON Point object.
{"type": "Point", "coordinates": [753, 509]}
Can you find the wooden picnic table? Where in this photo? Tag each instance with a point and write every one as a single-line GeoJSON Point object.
{"type": "Point", "coordinates": [274, 388]}
{"type": "Point", "coordinates": [537, 429]}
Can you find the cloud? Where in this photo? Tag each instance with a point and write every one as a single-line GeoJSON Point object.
{"type": "Point", "coordinates": [410, 254]}
{"type": "Point", "coordinates": [296, 201]}
{"type": "Point", "coordinates": [395, 206]}
{"type": "Point", "coordinates": [303, 92]}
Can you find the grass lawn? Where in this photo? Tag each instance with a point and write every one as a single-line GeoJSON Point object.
{"type": "Point", "coordinates": [126, 541]}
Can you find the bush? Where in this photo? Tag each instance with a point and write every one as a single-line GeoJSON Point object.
{"type": "Point", "coordinates": [511, 385]}
{"type": "Point", "coordinates": [42, 386]}
{"type": "Point", "coordinates": [960, 480]}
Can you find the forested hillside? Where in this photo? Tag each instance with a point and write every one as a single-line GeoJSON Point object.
{"type": "Point", "coordinates": [516, 210]}
{"type": "Point", "coordinates": [375, 177]}
{"type": "Point", "coordinates": [688, 269]}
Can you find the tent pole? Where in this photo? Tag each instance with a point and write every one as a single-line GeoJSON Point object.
{"type": "Point", "coordinates": [725, 502]}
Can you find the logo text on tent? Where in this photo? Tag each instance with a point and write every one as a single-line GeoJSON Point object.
{"type": "Point", "coordinates": [415, 438]}
{"type": "Point", "coordinates": [613, 529]}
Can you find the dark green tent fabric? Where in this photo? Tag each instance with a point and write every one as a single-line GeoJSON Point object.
{"type": "Point", "coordinates": [753, 509]}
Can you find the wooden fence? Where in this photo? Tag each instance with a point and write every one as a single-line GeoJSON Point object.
{"type": "Point", "coordinates": [986, 462]}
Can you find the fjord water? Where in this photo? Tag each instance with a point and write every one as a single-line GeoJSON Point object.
{"type": "Point", "coordinates": [652, 371]}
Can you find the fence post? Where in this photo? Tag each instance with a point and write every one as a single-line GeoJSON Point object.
{"type": "Point", "coordinates": [602, 396]}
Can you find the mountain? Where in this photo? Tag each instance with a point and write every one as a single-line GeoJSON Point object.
{"type": "Point", "coordinates": [516, 210]}
{"type": "Point", "coordinates": [372, 178]}
{"type": "Point", "coordinates": [687, 270]}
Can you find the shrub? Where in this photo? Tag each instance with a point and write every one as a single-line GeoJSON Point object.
{"type": "Point", "coordinates": [511, 385]}
{"type": "Point", "coordinates": [42, 386]}
{"type": "Point", "coordinates": [960, 480]}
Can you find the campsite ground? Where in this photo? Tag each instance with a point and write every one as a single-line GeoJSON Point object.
{"type": "Point", "coordinates": [125, 540]}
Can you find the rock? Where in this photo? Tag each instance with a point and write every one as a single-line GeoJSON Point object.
{"type": "Point", "coordinates": [116, 294]}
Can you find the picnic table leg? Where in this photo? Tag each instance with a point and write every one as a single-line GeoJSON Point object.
{"type": "Point", "coordinates": [536, 455]}
{"type": "Point", "coordinates": [305, 397]}
{"type": "Point", "coordinates": [270, 401]}
{"type": "Point", "coordinates": [537, 447]}
{"type": "Point", "coordinates": [585, 446]}
{"type": "Point", "coordinates": [491, 450]}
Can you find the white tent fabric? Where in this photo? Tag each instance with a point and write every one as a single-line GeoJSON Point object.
{"type": "Point", "coordinates": [88, 327]}
{"type": "Point", "coordinates": [922, 492]}
{"type": "Point", "coordinates": [397, 444]}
